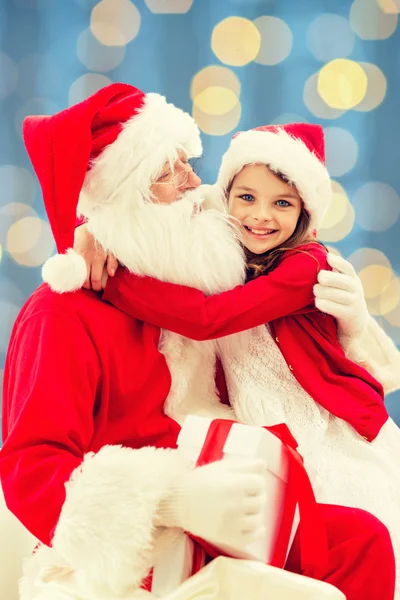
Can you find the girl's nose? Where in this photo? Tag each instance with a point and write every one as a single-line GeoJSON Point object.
{"type": "Point", "coordinates": [263, 214]}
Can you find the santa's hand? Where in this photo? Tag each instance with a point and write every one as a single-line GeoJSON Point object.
{"type": "Point", "coordinates": [223, 502]}
{"type": "Point", "coordinates": [95, 258]}
{"type": "Point", "coordinates": [340, 293]}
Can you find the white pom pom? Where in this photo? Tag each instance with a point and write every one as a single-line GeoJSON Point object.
{"type": "Point", "coordinates": [65, 272]}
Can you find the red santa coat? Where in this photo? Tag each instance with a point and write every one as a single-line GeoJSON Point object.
{"type": "Point", "coordinates": [83, 377]}
{"type": "Point", "coordinates": [284, 298]}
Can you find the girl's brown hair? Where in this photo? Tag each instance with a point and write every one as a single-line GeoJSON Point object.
{"type": "Point", "coordinates": [261, 264]}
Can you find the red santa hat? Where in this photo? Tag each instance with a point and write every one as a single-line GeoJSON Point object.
{"type": "Point", "coordinates": [103, 152]}
{"type": "Point", "coordinates": [296, 150]}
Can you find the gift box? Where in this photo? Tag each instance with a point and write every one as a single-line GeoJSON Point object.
{"type": "Point", "coordinates": [251, 442]}
{"type": "Point", "coordinates": [230, 579]}
{"type": "Point", "coordinates": [290, 497]}
{"type": "Point", "coordinates": [183, 558]}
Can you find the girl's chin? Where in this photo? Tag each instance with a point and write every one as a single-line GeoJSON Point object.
{"type": "Point", "coordinates": [260, 247]}
{"type": "Point", "coordinates": [258, 251]}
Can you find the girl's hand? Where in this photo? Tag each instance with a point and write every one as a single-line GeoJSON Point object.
{"type": "Point", "coordinates": [340, 293]}
{"type": "Point", "coordinates": [96, 259]}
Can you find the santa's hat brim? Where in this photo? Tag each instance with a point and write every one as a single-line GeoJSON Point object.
{"type": "Point", "coordinates": [147, 141]}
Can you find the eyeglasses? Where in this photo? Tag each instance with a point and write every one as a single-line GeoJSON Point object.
{"type": "Point", "coordinates": [179, 179]}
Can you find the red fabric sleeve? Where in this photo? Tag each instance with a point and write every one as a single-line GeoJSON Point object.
{"type": "Point", "coordinates": [286, 290]}
{"type": "Point", "coordinates": [50, 384]}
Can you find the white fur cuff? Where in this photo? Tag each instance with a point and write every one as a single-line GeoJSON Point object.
{"type": "Point", "coordinates": [376, 352]}
{"type": "Point", "coordinates": [105, 531]}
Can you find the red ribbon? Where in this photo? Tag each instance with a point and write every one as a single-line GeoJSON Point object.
{"type": "Point", "coordinates": [313, 539]}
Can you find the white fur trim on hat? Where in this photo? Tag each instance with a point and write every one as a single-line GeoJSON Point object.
{"type": "Point", "coordinates": [284, 154]}
{"type": "Point", "coordinates": [65, 272]}
{"type": "Point", "coordinates": [150, 138]}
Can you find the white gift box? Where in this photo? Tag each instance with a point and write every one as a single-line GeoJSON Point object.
{"type": "Point", "coordinates": [227, 578]}
{"type": "Point", "coordinates": [176, 565]}
{"type": "Point", "coordinates": [251, 442]}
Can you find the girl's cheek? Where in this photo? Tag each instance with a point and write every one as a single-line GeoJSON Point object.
{"type": "Point", "coordinates": [233, 209]}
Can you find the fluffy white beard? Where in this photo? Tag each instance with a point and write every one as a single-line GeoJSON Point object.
{"type": "Point", "coordinates": [178, 243]}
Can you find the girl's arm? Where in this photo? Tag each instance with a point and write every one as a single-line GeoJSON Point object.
{"type": "Point", "coordinates": [186, 311]}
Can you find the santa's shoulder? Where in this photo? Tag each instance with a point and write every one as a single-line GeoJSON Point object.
{"type": "Point", "coordinates": [81, 305]}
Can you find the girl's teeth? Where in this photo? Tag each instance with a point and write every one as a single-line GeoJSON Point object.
{"type": "Point", "coordinates": [261, 231]}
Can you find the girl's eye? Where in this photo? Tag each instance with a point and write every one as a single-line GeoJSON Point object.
{"type": "Point", "coordinates": [247, 197]}
{"type": "Point", "coordinates": [282, 203]}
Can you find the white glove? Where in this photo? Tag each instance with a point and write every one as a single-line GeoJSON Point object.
{"type": "Point", "coordinates": [340, 293]}
{"type": "Point", "coordinates": [223, 502]}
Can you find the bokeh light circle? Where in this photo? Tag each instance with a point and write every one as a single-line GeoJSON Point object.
{"type": "Point", "coordinates": [393, 318]}
{"type": "Point", "coordinates": [389, 6]}
{"type": "Point", "coordinates": [342, 83]}
{"type": "Point", "coordinates": [216, 100]}
{"type": "Point", "coordinates": [375, 272]}
{"type": "Point", "coordinates": [115, 22]}
{"type": "Point", "coordinates": [370, 22]}
{"type": "Point", "coordinates": [215, 91]}
{"type": "Point", "coordinates": [376, 88]}
{"type": "Point", "coordinates": [390, 297]}
{"type": "Point", "coordinates": [214, 75]}
{"type": "Point", "coordinates": [173, 7]}
{"type": "Point", "coordinates": [339, 218]}
{"type": "Point", "coordinates": [315, 103]}
{"type": "Point", "coordinates": [30, 241]}
{"type": "Point", "coordinates": [330, 36]}
{"type": "Point", "coordinates": [10, 214]}
{"type": "Point", "coordinates": [375, 278]}
{"type": "Point", "coordinates": [341, 151]}
{"type": "Point", "coordinates": [276, 40]}
{"type": "Point", "coordinates": [220, 124]}
{"type": "Point", "coordinates": [363, 257]}
{"type": "Point", "coordinates": [236, 41]}
{"type": "Point", "coordinates": [95, 56]}
{"type": "Point", "coordinates": [86, 85]}
{"type": "Point", "coordinates": [377, 206]}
